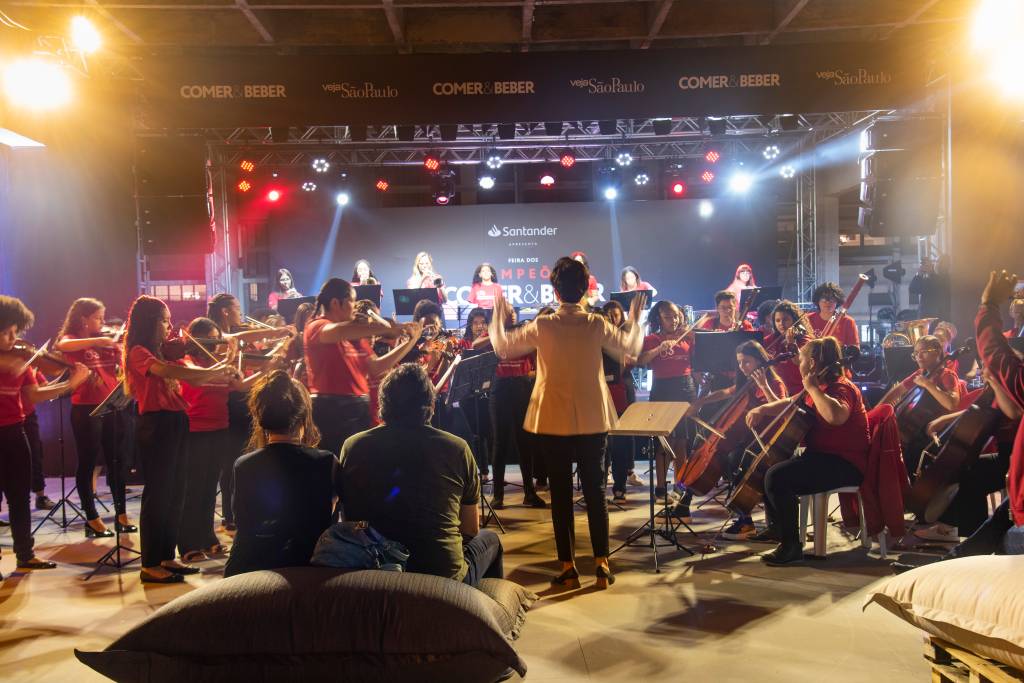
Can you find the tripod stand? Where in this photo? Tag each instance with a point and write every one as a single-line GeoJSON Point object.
{"type": "Point", "coordinates": [65, 502]}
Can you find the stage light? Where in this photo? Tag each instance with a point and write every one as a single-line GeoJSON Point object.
{"type": "Point", "coordinates": [244, 186]}
{"type": "Point", "coordinates": [741, 182]}
{"type": "Point", "coordinates": [321, 165]}
{"type": "Point", "coordinates": [341, 198]}
{"type": "Point", "coordinates": [382, 185]}
{"type": "Point", "coordinates": [641, 179]}
{"type": "Point", "coordinates": [995, 34]}
{"type": "Point", "coordinates": [486, 182]}
{"type": "Point", "coordinates": [787, 171]}
{"type": "Point", "coordinates": [771, 152]}
{"type": "Point", "coordinates": [707, 176]}
{"type": "Point", "coordinates": [247, 166]}
{"type": "Point", "coordinates": [309, 186]}
{"type": "Point", "coordinates": [610, 193]}
{"type": "Point", "coordinates": [273, 195]}
{"type": "Point", "coordinates": [547, 180]}
{"type": "Point", "coordinates": [442, 199]}
{"type": "Point", "coordinates": [431, 163]}
{"type": "Point", "coordinates": [624, 159]}
{"type": "Point", "coordinates": [494, 161]}
{"type": "Point", "coordinates": [706, 209]}
{"type": "Point", "coordinates": [716, 125]}
{"type": "Point", "coordinates": [567, 160]}
{"type": "Point", "coordinates": [84, 35]}
{"type": "Point", "coordinates": [678, 188]}
{"type": "Point", "coordinates": [712, 156]}
{"type": "Point", "coordinates": [36, 84]}
{"type": "Point", "coordinates": [443, 184]}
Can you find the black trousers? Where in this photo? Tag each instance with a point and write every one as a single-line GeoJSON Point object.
{"type": "Point", "coordinates": [588, 451]}
{"type": "Point", "coordinates": [969, 508]}
{"type": "Point", "coordinates": [205, 456]}
{"type": "Point", "coordinates": [35, 444]}
{"type": "Point", "coordinates": [987, 538]}
{"type": "Point", "coordinates": [15, 483]}
{"type": "Point", "coordinates": [484, 557]}
{"type": "Point", "coordinates": [162, 448]}
{"type": "Point", "coordinates": [93, 434]}
{"type": "Point", "coordinates": [812, 472]}
{"type": "Point", "coordinates": [239, 432]}
{"type": "Point", "coordinates": [623, 453]}
{"type": "Point", "coordinates": [339, 417]}
{"type": "Point", "coordinates": [510, 397]}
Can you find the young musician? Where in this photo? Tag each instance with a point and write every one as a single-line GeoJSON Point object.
{"type": "Point", "coordinates": [570, 409]}
{"type": "Point", "coordinates": [1017, 316]}
{"type": "Point", "coordinates": [827, 297]}
{"type": "Point", "coordinates": [362, 274]}
{"type": "Point", "coordinates": [836, 446]}
{"type": "Point", "coordinates": [630, 281]}
{"type": "Point", "coordinates": [726, 312]}
{"type": "Point", "coordinates": [339, 359]}
{"type": "Point", "coordinates": [366, 310]}
{"type": "Point", "coordinates": [81, 340]}
{"type": "Point", "coordinates": [593, 288]}
{"type": "Point", "coordinates": [161, 435]}
{"type": "Point", "coordinates": [16, 380]}
{"type": "Point", "coordinates": [623, 390]}
{"type": "Point", "coordinates": [283, 289]}
{"type": "Point", "coordinates": [485, 287]}
{"type": "Point", "coordinates": [787, 337]}
{"type": "Point", "coordinates": [765, 319]}
{"type": "Point", "coordinates": [742, 279]}
{"type": "Point", "coordinates": [423, 275]}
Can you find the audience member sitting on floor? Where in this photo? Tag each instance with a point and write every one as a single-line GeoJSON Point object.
{"type": "Point", "coordinates": [418, 485]}
{"type": "Point", "coordinates": [284, 495]}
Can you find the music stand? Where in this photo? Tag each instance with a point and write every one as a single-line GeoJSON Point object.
{"type": "Point", "coordinates": [371, 292]}
{"type": "Point", "coordinates": [625, 299]}
{"type": "Point", "coordinates": [759, 296]}
{"type": "Point", "coordinates": [287, 307]}
{"type": "Point", "coordinates": [899, 363]}
{"type": "Point", "coordinates": [406, 299]}
{"type": "Point", "coordinates": [65, 496]}
{"type": "Point", "coordinates": [472, 379]}
{"type": "Point", "coordinates": [115, 401]}
{"type": "Point", "coordinates": [715, 352]}
{"type": "Point", "coordinates": [654, 420]}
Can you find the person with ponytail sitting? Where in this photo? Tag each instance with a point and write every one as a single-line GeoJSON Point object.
{"type": "Point", "coordinates": [284, 490]}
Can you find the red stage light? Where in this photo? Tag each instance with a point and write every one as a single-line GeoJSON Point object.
{"type": "Point", "coordinates": [707, 176]}
{"type": "Point", "coordinates": [382, 185]}
{"type": "Point", "coordinates": [712, 156]}
{"type": "Point", "coordinates": [244, 186]}
{"type": "Point", "coordinates": [567, 160]}
{"type": "Point", "coordinates": [442, 199]}
{"type": "Point", "coordinates": [431, 164]}
{"type": "Point", "coordinates": [247, 166]}
{"type": "Point", "coordinates": [679, 188]}
{"type": "Point", "coordinates": [273, 195]}
{"type": "Point", "coordinates": [547, 180]}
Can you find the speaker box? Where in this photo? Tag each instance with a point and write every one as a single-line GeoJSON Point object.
{"type": "Point", "coordinates": [908, 133]}
{"type": "Point", "coordinates": [905, 207]}
{"type": "Point", "coordinates": [175, 225]}
{"type": "Point", "coordinates": [917, 163]}
{"type": "Point", "coordinates": [170, 165]}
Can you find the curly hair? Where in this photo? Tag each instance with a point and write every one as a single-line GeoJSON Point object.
{"type": "Point", "coordinates": [14, 312]}
{"type": "Point", "coordinates": [426, 307]}
{"type": "Point", "coordinates": [476, 273]}
{"type": "Point", "coordinates": [788, 308]}
{"type": "Point", "coordinates": [654, 317]}
{"type": "Point", "coordinates": [828, 290]}
{"type": "Point", "coordinates": [406, 396]}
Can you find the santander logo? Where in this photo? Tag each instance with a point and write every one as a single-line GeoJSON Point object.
{"type": "Point", "coordinates": [494, 231]}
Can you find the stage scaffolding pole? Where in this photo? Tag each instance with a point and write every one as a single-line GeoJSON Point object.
{"type": "Point", "coordinates": [806, 226]}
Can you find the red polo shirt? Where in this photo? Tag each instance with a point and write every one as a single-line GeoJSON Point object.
{"type": "Point", "coordinates": [340, 369]}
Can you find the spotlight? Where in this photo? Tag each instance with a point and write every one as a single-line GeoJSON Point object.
{"type": "Point", "coordinates": [741, 182]}
{"type": "Point", "coordinates": [486, 182]}
{"type": "Point", "coordinates": [624, 159]}
{"type": "Point", "coordinates": [787, 171]}
{"type": "Point", "coordinates": [431, 163]}
{"type": "Point", "coordinates": [273, 195]}
{"type": "Point", "coordinates": [442, 199]}
{"type": "Point", "coordinates": [247, 166]}
{"type": "Point", "coordinates": [507, 131]}
{"type": "Point", "coordinates": [610, 193]}
{"type": "Point", "coordinates": [382, 185]}
{"type": "Point", "coordinates": [706, 209]}
{"type": "Point", "coordinates": [547, 181]}
{"type": "Point", "coordinates": [342, 198]}
{"type": "Point", "coordinates": [321, 165]}
{"type": "Point", "coordinates": [567, 160]}
{"type": "Point", "coordinates": [995, 36]}
{"type": "Point", "coordinates": [712, 156]}
{"type": "Point", "coordinates": [309, 186]}
{"type": "Point", "coordinates": [36, 84]}
{"type": "Point", "coordinates": [771, 152]}
{"type": "Point", "coordinates": [444, 187]}
{"type": "Point", "coordinates": [608, 126]}
{"type": "Point", "coordinates": [641, 178]}
{"type": "Point", "coordinates": [661, 126]}
{"type": "Point", "coordinates": [244, 186]}
{"type": "Point", "coordinates": [494, 161]}
{"type": "Point", "coordinates": [678, 188]}
{"type": "Point", "coordinates": [84, 35]}
{"type": "Point", "coordinates": [716, 126]}
{"type": "Point", "coordinates": [707, 176]}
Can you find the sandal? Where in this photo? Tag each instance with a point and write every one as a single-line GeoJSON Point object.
{"type": "Point", "coordinates": [192, 556]}
{"type": "Point", "coordinates": [218, 549]}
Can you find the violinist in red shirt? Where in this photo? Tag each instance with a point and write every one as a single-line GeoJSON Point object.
{"type": "Point", "coordinates": [787, 337]}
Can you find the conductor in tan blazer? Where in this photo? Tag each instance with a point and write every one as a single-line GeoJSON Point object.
{"type": "Point", "coordinates": [571, 408]}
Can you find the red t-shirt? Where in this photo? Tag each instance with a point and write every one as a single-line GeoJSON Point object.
{"type": "Point", "coordinates": [12, 408]}
{"type": "Point", "coordinates": [339, 369]}
{"type": "Point", "coordinates": [947, 380]}
{"type": "Point", "coordinates": [715, 325]}
{"type": "Point", "coordinates": [483, 295]}
{"type": "Point", "coordinates": [151, 392]}
{"type": "Point", "coordinates": [515, 367]}
{"type": "Point", "coordinates": [27, 405]}
{"type": "Point", "coordinates": [591, 285]}
{"type": "Point", "coordinates": [845, 330]}
{"type": "Point", "coordinates": [665, 366]}
{"type": "Point", "coordinates": [207, 406]}
{"type": "Point", "coordinates": [849, 440]}
{"type": "Point", "coordinates": [777, 386]}
{"type": "Point", "coordinates": [789, 370]}
{"type": "Point", "coordinates": [103, 362]}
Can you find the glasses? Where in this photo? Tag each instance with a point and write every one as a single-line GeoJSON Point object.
{"type": "Point", "coordinates": [917, 355]}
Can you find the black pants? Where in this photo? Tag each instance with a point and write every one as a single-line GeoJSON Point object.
{"type": "Point", "coordinates": [91, 435]}
{"type": "Point", "coordinates": [811, 472]}
{"type": "Point", "coordinates": [161, 439]}
{"type": "Point", "coordinates": [234, 446]}
{"type": "Point", "coordinates": [510, 397]}
{"type": "Point", "coordinates": [484, 557]}
{"type": "Point", "coordinates": [15, 483]}
{"type": "Point", "coordinates": [623, 453]}
{"type": "Point", "coordinates": [205, 456]}
{"type": "Point", "coordinates": [35, 444]}
{"type": "Point", "coordinates": [588, 451]}
{"type": "Point", "coordinates": [987, 538]}
{"type": "Point", "coordinates": [339, 417]}
{"type": "Point", "coordinates": [969, 508]}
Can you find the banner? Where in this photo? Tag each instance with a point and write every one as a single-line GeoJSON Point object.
{"type": "Point", "coordinates": [281, 90]}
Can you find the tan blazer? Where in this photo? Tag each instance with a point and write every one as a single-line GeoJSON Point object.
{"type": "Point", "coordinates": [571, 395]}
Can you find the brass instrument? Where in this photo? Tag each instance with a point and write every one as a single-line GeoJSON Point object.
{"type": "Point", "coordinates": [907, 333]}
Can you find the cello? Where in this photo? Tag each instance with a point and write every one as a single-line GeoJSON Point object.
{"type": "Point", "coordinates": [917, 407]}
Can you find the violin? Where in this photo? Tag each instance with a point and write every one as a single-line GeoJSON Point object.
{"type": "Point", "coordinates": [47, 362]}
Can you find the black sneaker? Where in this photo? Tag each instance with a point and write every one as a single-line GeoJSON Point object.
{"type": "Point", "coordinates": [534, 501]}
{"type": "Point", "coordinates": [784, 557]}
{"type": "Point", "coordinates": [498, 503]}
{"type": "Point", "coordinates": [767, 535]}
{"type": "Point", "coordinates": [44, 503]}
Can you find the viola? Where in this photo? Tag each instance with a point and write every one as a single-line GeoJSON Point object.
{"type": "Point", "coordinates": [47, 362]}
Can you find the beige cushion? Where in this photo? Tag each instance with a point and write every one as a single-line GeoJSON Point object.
{"type": "Point", "coordinates": [974, 602]}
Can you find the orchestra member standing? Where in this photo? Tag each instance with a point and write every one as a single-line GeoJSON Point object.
{"type": "Point", "coordinates": [366, 310]}
{"type": "Point", "coordinates": [284, 288]}
{"type": "Point", "coordinates": [362, 274]}
{"type": "Point", "coordinates": [620, 382]}
{"type": "Point", "coordinates": [742, 279]}
{"type": "Point", "coordinates": [485, 287]}
{"type": "Point", "coordinates": [593, 287]}
{"type": "Point", "coordinates": [828, 297]}
{"type": "Point", "coordinates": [630, 281]}
{"type": "Point", "coordinates": [423, 275]}
{"type": "Point", "coordinates": [17, 380]}
{"type": "Point", "coordinates": [571, 409]}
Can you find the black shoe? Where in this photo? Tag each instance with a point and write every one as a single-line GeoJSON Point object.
{"type": "Point", "coordinates": [784, 557]}
{"type": "Point", "coordinates": [605, 577]}
{"type": "Point", "coordinates": [619, 496]}
{"type": "Point", "coordinates": [901, 567]}
{"type": "Point", "coordinates": [36, 563]}
{"type": "Point", "coordinates": [4, 523]}
{"type": "Point", "coordinates": [44, 503]}
{"type": "Point", "coordinates": [505, 675]}
{"type": "Point", "coordinates": [767, 535]}
{"type": "Point", "coordinates": [659, 492]}
{"type": "Point", "coordinates": [92, 533]}
{"type": "Point", "coordinates": [170, 578]}
{"type": "Point", "coordinates": [230, 526]}
{"type": "Point", "coordinates": [497, 502]}
{"type": "Point", "coordinates": [125, 528]}
{"type": "Point", "coordinates": [570, 578]}
{"type": "Point", "coordinates": [534, 501]}
{"type": "Point", "coordinates": [181, 569]}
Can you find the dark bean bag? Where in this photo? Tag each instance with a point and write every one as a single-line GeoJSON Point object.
{"type": "Point", "coordinates": [321, 624]}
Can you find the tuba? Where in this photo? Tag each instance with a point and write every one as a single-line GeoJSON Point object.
{"type": "Point", "coordinates": [907, 333]}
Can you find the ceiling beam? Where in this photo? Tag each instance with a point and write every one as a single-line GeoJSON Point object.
{"type": "Point", "coordinates": [527, 24]}
{"type": "Point", "coordinates": [394, 17]}
{"type": "Point", "coordinates": [912, 19]}
{"type": "Point", "coordinates": [797, 7]}
{"type": "Point", "coordinates": [658, 16]}
{"type": "Point", "coordinates": [103, 12]}
{"type": "Point", "coordinates": [255, 21]}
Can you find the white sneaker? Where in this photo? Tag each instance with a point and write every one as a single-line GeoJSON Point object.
{"type": "Point", "coordinates": [940, 533]}
{"type": "Point", "coordinates": [634, 480]}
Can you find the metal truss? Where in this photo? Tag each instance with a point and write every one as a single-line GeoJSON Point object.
{"type": "Point", "coordinates": [806, 230]}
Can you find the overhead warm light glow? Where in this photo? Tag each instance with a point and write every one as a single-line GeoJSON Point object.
{"type": "Point", "coordinates": [995, 36]}
{"type": "Point", "coordinates": [37, 84]}
{"type": "Point", "coordinates": [84, 35]}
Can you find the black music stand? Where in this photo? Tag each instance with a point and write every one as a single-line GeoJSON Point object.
{"type": "Point", "coordinates": [472, 379]}
{"type": "Point", "coordinates": [406, 299]}
{"type": "Point", "coordinates": [65, 495]}
{"type": "Point", "coordinates": [287, 307]}
{"type": "Point", "coordinates": [752, 297]}
{"type": "Point", "coordinates": [899, 363]}
{"type": "Point", "coordinates": [115, 401]}
{"type": "Point", "coordinates": [372, 292]}
{"type": "Point", "coordinates": [716, 351]}
{"type": "Point", "coordinates": [625, 299]}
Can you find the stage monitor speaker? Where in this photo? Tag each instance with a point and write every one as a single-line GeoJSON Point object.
{"type": "Point", "coordinates": [917, 163]}
{"type": "Point", "coordinates": [175, 225]}
{"type": "Point", "coordinates": [904, 133]}
{"type": "Point", "coordinates": [906, 207]}
{"type": "Point", "coordinates": [170, 165]}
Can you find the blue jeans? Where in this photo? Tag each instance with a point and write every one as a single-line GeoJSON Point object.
{"type": "Point", "coordinates": [483, 555]}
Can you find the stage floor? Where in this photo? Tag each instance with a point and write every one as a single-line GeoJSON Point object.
{"type": "Point", "coordinates": [723, 617]}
